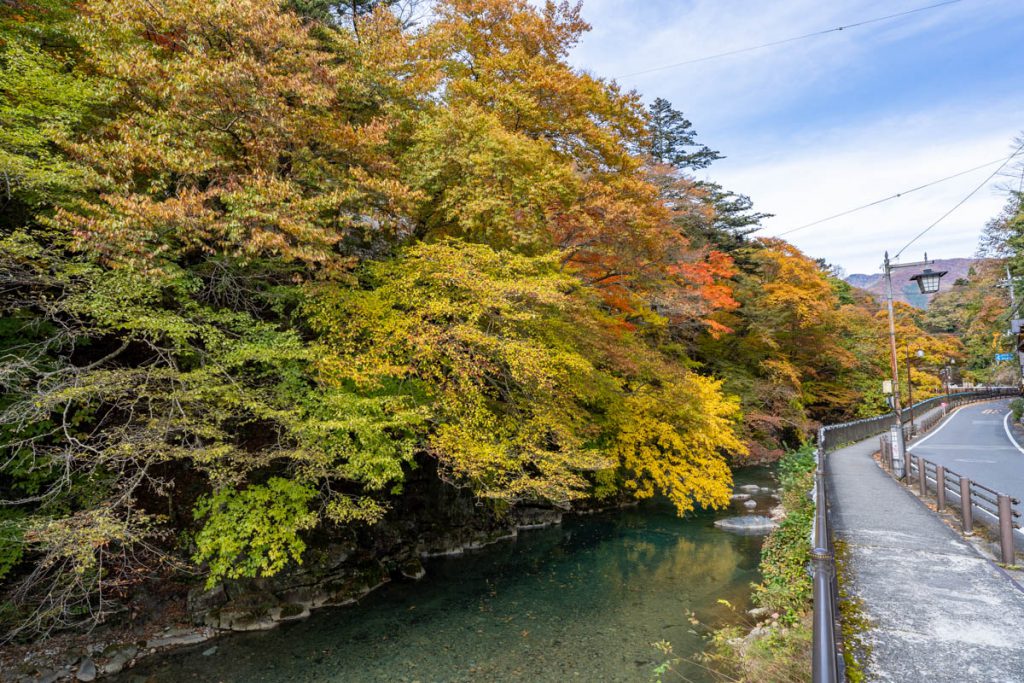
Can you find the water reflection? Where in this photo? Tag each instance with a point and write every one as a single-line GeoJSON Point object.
{"type": "Point", "coordinates": [583, 601]}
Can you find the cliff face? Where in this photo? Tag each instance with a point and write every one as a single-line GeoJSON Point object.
{"type": "Point", "coordinates": [906, 291]}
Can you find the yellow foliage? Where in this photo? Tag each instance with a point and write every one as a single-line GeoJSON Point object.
{"type": "Point", "coordinates": [672, 441]}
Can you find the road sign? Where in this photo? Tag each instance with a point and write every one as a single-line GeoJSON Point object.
{"type": "Point", "coordinates": [896, 439]}
{"type": "Point", "coordinates": [1000, 357]}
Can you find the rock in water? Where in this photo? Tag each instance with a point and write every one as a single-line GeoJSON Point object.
{"type": "Point", "coordinates": [750, 504]}
{"type": "Point", "coordinates": [749, 488]}
{"type": "Point", "coordinates": [740, 496]}
{"type": "Point", "coordinates": [747, 524]}
{"type": "Point", "coordinates": [86, 670]}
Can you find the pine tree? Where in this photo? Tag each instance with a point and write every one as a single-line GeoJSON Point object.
{"type": "Point", "coordinates": [674, 141]}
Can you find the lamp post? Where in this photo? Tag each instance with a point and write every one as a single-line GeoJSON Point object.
{"type": "Point", "coordinates": [928, 282]}
{"type": "Point", "coordinates": [948, 374]}
{"type": "Point", "coordinates": [910, 386]}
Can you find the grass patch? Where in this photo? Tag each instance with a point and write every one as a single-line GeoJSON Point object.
{"type": "Point", "coordinates": [852, 621]}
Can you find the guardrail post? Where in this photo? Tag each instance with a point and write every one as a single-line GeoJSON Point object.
{"type": "Point", "coordinates": [1006, 528]}
{"type": "Point", "coordinates": [940, 488]}
{"type": "Point", "coordinates": [922, 476]}
{"type": "Point", "coordinates": [966, 514]}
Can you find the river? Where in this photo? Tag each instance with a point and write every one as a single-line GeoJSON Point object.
{"type": "Point", "coordinates": [582, 601]}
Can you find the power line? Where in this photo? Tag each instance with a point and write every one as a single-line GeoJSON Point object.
{"type": "Point", "coordinates": [897, 195]}
{"type": "Point", "coordinates": [962, 201]}
{"type": "Point", "coordinates": [835, 29]}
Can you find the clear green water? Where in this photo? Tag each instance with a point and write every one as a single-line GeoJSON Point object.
{"type": "Point", "coordinates": [583, 601]}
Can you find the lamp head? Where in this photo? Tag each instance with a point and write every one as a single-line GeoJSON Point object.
{"type": "Point", "coordinates": [928, 281]}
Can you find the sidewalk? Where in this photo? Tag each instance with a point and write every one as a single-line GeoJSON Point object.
{"type": "Point", "coordinates": [939, 611]}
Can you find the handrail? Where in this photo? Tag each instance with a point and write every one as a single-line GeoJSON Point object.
{"type": "Point", "coordinates": [826, 664]}
{"type": "Point", "coordinates": [968, 493]}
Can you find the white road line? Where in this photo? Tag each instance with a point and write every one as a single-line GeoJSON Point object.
{"type": "Point", "coordinates": [949, 418]}
{"type": "Point", "coordinates": [1009, 434]}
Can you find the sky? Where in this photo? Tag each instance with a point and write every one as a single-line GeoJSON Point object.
{"type": "Point", "coordinates": [818, 126]}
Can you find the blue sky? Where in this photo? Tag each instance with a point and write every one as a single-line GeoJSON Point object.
{"type": "Point", "coordinates": [818, 126]}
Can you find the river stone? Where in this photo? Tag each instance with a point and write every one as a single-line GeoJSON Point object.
{"type": "Point", "coordinates": [49, 676]}
{"type": "Point", "coordinates": [210, 651]}
{"type": "Point", "coordinates": [201, 601]}
{"type": "Point", "coordinates": [740, 496]}
{"type": "Point", "coordinates": [750, 504]}
{"type": "Point", "coordinates": [412, 569]}
{"type": "Point", "coordinates": [749, 488]}
{"type": "Point", "coordinates": [177, 638]}
{"type": "Point", "coordinates": [117, 657]}
{"type": "Point", "coordinates": [747, 524]}
{"type": "Point", "coordinates": [289, 611]}
{"type": "Point", "coordinates": [536, 518]}
{"type": "Point", "coordinates": [86, 670]}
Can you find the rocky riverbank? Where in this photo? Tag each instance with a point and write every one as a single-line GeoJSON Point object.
{"type": "Point", "coordinates": [334, 573]}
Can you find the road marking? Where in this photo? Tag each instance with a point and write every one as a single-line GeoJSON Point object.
{"type": "Point", "coordinates": [987, 462]}
{"type": "Point", "coordinates": [989, 411]}
{"type": "Point", "coordinates": [949, 418]}
{"type": "Point", "coordinates": [969, 447]}
{"type": "Point", "coordinates": [985, 422]}
{"type": "Point", "coordinates": [1009, 435]}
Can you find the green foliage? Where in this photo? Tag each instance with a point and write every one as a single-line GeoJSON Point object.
{"type": "Point", "coordinates": [785, 586]}
{"type": "Point", "coordinates": [254, 531]}
{"type": "Point", "coordinates": [12, 540]}
{"type": "Point", "coordinates": [1017, 407]}
{"type": "Point", "coordinates": [780, 654]}
{"type": "Point", "coordinates": [43, 102]}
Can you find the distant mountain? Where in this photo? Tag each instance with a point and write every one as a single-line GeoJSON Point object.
{"type": "Point", "coordinates": [861, 281]}
{"type": "Point", "coordinates": [906, 291]}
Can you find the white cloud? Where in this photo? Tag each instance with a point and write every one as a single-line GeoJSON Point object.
{"type": "Point", "coordinates": [630, 36]}
{"type": "Point", "coordinates": [832, 171]}
{"type": "Point", "coordinates": [797, 138]}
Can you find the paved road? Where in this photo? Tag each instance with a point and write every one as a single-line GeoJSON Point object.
{"type": "Point", "coordinates": [974, 442]}
{"type": "Point", "coordinates": [939, 611]}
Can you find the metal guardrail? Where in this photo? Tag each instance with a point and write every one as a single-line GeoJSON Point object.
{"type": "Point", "coordinates": [826, 661]}
{"type": "Point", "coordinates": [968, 494]}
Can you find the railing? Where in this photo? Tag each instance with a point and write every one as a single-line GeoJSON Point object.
{"type": "Point", "coordinates": [996, 508]}
{"type": "Point", "coordinates": [826, 663]}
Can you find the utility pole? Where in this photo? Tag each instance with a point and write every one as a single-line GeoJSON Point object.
{"type": "Point", "coordinates": [910, 384]}
{"type": "Point", "coordinates": [1014, 332]}
{"type": "Point", "coordinates": [898, 433]}
{"type": "Point", "coordinates": [928, 282]}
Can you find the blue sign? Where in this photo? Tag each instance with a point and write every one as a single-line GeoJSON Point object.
{"type": "Point", "coordinates": [1003, 356]}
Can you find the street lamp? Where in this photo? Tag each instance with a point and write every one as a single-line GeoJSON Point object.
{"type": "Point", "coordinates": [948, 375]}
{"type": "Point", "coordinates": [910, 385]}
{"type": "Point", "coordinates": [928, 282]}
